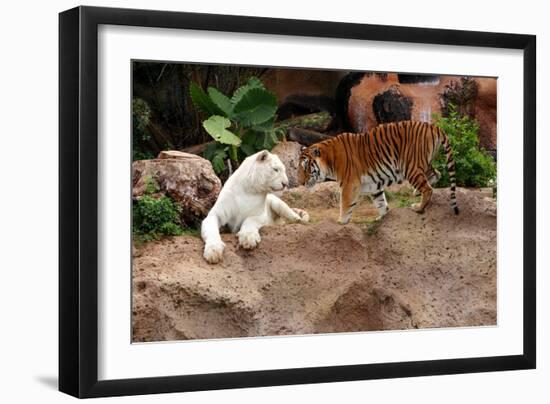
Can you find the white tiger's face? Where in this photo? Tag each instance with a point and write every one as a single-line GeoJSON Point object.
{"type": "Point", "coordinates": [266, 173]}
{"type": "Point", "coordinates": [310, 169]}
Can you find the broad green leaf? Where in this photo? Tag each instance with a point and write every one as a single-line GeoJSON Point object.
{"type": "Point", "coordinates": [212, 149]}
{"type": "Point", "coordinates": [216, 126]}
{"type": "Point", "coordinates": [218, 163]}
{"type": "Point", "coordinates": [269, 140]}
{"type": "Point", "coordinates": [239, 93]}
{"type": "Point", "coordinates": [255, 107]}
{"type": "Point", "coordinates": [253, 82]}
{"type": "Point", "coordinates": [216, 153]}
{"type": "Point", "coordinates": [202, 101]}
{"type": "Point", "coordinates": [248, 149]}
{"type": "Point", "coordinates": [273, 137]}
{"type": "Point", "coordinates": [222, 101]}
{"type": "Point", "coordinates": [265, 126]}
{"type": "Point", "coordinates": [250, 137]}
{"type": "Point", "coordinates": [265, 141]}
{"type": "Point", "coordinates": [279, 133]}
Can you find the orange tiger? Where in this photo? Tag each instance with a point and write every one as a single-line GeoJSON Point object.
{"type": "Point", "coordinates": [366, 163]}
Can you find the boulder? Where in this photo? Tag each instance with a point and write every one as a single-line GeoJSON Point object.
{"type": "Point", "coordinates": [188, 179]}
{"type": "Point", "coordinates": [360, 113]}
{"type": "Point", "coordinates": [392, 106]}
{"type": "Point", "coordinates": [289, 153]}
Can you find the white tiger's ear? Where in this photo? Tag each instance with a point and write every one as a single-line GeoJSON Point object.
{"type": "Point", "coordinates": [262, 156]}
{"type": "Point", "coordinates": [302, 148]}
{"type": "Point", "coordinates": [316, 152]}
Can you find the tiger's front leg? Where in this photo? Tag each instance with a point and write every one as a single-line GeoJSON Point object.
{"type": "Point", "coordinates": [379, 200]}
{"type": "Point", "coordinates": [249, 234]}
{"type": "Point", "coordinates": [349, 195]}
{"type": "Point", "coordinates": [279, 209]}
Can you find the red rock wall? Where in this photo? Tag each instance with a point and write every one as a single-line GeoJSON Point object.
{"type": "Point", "coordinates": [426, 101]}
{"type": "Point", "coordinates": [285, 82]}
{"type": "Point", "coordinates": [425, 96]}
{"type": "Point", "coordinates": [486, 112]}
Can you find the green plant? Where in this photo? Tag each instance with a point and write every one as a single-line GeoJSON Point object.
{"type": "Point", "coordinates": [141, 115]}
{"type": "Point", "coordinates": [241, 124]}
{"type": "Point", "coordinates": [402, 197]}
{"type": "Point", "coordinates": [154, 218]}
{"type": "Point", "coordinates": [460, 96]}
{"type": "Point", "coordinates": [151, 185]}
{"type": "Point", "coordinates": [474, 166]}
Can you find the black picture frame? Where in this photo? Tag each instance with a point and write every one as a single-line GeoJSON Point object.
{"type": "Point", "coordinates": [78, 201]}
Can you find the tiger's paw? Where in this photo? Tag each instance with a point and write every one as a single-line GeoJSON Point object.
{"type": "Point", "coordinates": [383, 212]}
{"type": "Point", "coordinates": [249, 240]}
{"type": "Point", "coordinates": [381, 216]}
{"type": "Point", "coordinates": [344, 220]}
{"type": "Point", "coordinates": [416, 208]}
{"type": "Point", "coordinates": [304, 216]}
{"type": "Point", "coordinates": [213, 252]}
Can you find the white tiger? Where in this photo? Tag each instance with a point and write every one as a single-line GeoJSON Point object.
{"type": "Point", "coordinates": [247, 203]}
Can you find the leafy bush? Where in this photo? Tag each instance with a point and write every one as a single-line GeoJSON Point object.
{"type": "Point", "coordinates": [460, 96]}
{"type": "Point", "coordinates": [474, 166]}
{"type": "Point", "coordinates": [141, 114]}
{"type": "Point", "coordinates": [154, 218]}
{"type": "Point", "coordinates": [151, 185]}
{"type": "Point", "coordinates": [241, 124]}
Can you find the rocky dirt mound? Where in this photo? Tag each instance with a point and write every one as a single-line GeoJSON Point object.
{"type": "Point", "coordinates": [406, 271]}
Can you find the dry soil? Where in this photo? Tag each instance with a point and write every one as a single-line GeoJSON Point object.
{"type": "Point", "coordinates": [404, 271]}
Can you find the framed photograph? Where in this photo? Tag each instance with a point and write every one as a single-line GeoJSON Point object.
{"type": "Point", "coordinates": [252, 202]}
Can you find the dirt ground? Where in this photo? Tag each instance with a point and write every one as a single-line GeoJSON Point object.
{"type": "Point", "coordinates": [405, 271]}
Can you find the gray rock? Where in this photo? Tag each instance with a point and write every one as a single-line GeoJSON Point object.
{"type": "Point", "coordinates": [188, 179]}
{"type": "Point", "coordinates": [289, 153]}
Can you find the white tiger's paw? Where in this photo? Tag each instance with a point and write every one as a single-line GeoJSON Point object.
{"type": "Point", "coordinates": [213, 252]}
{"type": "Point", "coordinates": [304, 216]}
{"type": "Point", "coordinates": [249, 240]}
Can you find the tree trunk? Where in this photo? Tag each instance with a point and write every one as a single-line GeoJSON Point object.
{"type": "Point", "coordinates": [198, 148]}
{"type": "Point", "coordinates": [319, 121]}
{"type": "Point", "coordinates": [161, 139]}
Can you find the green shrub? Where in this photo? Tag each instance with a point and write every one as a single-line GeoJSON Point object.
{"type": "Point", "coordinates": [151, 186]}
{"type": "Point", "coordinates": [154, 218]}
{"type": "Point", "coordinates": [241, 124]}
{"type": "Point", "coordinates": [459, 96]}
{"type": "Point", "coordinates": [141, 115]}
{"type": "Point", "coordinates": [474, 166]}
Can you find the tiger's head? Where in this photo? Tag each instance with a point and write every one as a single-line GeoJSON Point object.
{"type": "Point", "coordinates": [312, 167]}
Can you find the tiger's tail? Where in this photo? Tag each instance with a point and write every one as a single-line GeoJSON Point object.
{"type": "Point", "coordinates": [451, 171]}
